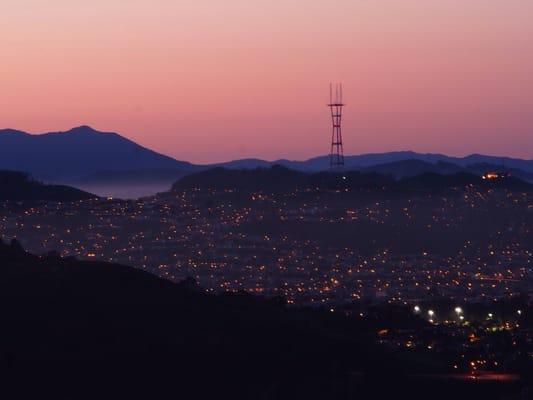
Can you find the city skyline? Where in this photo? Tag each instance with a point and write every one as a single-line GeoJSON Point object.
{"type": "Point", "coordinates": [251, 79]}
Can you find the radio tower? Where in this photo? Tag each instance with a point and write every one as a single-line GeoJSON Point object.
{"type": "Point", "coordinates": [336, 157]}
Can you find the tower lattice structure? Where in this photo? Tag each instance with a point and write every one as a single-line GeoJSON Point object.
{"type": "Point", "coordinates": [336, 158]}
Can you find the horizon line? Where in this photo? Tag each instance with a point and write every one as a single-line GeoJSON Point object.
{"type": "Point", "coordinates": [265, 159]}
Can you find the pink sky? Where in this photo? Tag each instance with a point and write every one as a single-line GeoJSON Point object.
{"type": "Point", "coordinates": [214, 80]}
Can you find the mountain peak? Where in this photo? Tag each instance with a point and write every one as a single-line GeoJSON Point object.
{"type": "Point", "coordinates": [79, 152]}
{"type": "Point", "coordinates": [13, 132]}
{"type": "Point", "coordinates": [82, 129]}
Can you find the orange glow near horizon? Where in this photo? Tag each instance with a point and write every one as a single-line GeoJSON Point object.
{"type": "Point", "coordinates": [214, 80]}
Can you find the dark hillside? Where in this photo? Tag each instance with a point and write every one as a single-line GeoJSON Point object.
{"type": "Point", "coordinates": [79, 330]}
{"type": "Point", "coordinates": [278, 179]}
{"type": "Point", "coordinates": [18, 186]}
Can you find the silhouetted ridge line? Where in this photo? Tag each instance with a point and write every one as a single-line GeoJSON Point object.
{"type": "Point", "coordinates": [85, 155]}
{"type": "Point", "coordinates": [279, 178]}
{"type": "Point", "coordinates": [19, 186]}
{"type": "Point", "coordinates": [111, 329]}
{"type": "Point", "coordinates": [76, 153]}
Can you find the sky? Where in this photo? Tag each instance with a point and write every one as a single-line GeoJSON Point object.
{"type": "Point", "coordinates": [214, 80]}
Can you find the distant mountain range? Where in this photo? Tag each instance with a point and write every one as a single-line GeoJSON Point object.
{"type": "Point", "coordinates": [77, 153]}
{"type": "Point", "coordinates": [86, 156]}
{"type": "Point", "coordinates": [425, 161]}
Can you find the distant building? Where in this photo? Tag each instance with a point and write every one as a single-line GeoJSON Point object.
{"type": "Point", "coordinates": [495, 175]}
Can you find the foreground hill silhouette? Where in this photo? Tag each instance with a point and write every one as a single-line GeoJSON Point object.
{"type": "Point", "coordinates": [81, 330]}
{"type": "Point", "coordinates": [414, 167]}
{"type": "Point", "coordinates": [282, 179]}
{"type": "Point", "coordinates": [18, 186]}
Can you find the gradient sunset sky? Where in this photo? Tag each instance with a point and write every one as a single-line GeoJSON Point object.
{"type": "Point", "coordinates": [215, 80]}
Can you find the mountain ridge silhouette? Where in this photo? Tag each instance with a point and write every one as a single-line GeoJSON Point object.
{"type": "Point", "coordinates": [83, 154]}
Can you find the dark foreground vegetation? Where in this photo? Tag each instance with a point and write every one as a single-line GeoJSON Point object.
{"type": "Point", "coordinates": [19, 186]}
{"type": "Point", "coordinates": [81, 330]}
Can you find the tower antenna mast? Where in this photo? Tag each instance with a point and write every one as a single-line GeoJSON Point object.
{"type": "Point", "coordinates": [336, 158]}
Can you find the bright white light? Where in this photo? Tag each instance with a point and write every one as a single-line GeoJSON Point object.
{"type": "Point", "coordinates": [458, 310]}
{"type": "Point", "coordinates": [417, 309]}
{"type": "Point", "coordinates": [490, 315]}
{"type": "Point", "coordinates": [431, 313]}
{"type": "Point", "coordinates": [461, 317]}
{"type": "Point", "coordinates": [519, 312]}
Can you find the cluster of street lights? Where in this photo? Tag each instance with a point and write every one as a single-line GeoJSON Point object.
{"type": "Point", "coordinates": [431, 313]}
{"type": "Point", "coordinates": [458, 312]}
